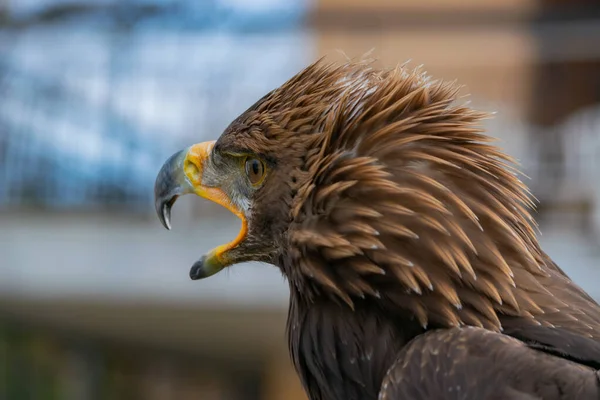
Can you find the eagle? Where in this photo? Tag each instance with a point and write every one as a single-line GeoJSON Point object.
{"type": "Point", "coordinates": [405, 235]}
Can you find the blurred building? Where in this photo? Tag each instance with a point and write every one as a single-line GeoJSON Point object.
{"type": "Point", "coordinates": [95, 299]}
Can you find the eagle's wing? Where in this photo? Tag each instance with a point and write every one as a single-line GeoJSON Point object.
{"type": "Point", "coordinates": [569, 326]}
{"type": "Point", "coordinates": [473, 363]}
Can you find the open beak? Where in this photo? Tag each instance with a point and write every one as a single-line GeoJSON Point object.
{"type": "Point", "coordinates": [182, 174]}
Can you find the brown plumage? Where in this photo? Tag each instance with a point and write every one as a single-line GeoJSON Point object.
{"type": "Point", "coordinates": [407, 241]}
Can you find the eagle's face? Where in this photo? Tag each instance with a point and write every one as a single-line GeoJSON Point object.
{"type": "Point", "coordinates": [247, 171]}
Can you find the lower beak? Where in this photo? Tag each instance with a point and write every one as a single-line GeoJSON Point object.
{"type": "Point", "coordinates": [182, 174]}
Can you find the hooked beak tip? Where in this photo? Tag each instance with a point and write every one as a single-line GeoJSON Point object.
{"type": "Point", "coordinates": [171, 182]}
{"type": "Point", "coordinates": [165, 212]}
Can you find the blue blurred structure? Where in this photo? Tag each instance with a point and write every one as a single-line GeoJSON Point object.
{"type": "Point", "coordinates": [89, 107]}
{"type": "Point", "coordinates": [210, 15]}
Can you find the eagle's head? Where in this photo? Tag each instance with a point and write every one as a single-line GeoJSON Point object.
{"type": "Point", "coordinates": [366, 183]}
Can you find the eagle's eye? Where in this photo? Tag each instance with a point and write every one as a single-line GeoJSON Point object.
{"type": "Point", "coordinates": [255, 170]}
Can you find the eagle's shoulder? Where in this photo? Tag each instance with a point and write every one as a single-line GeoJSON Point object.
{"type": "Point", "coordinates": [454, 363]}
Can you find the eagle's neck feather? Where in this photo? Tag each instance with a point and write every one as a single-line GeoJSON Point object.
{"type": "Point", "coordinates": [343, 354]}
{"type": "Point", "coordinates": [400, 196]}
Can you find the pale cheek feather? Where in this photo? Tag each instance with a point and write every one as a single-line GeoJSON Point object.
{"type": "Point", "coordinates": [241, 202]}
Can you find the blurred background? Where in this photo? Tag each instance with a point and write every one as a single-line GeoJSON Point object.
{"type": "Point", "coordinates": [95, 299]}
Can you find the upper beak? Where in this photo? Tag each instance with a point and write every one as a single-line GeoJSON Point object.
{"type": "Point", "coordinates": [171, 183]}
{"type": "Point", "coordinates": [182, 174]}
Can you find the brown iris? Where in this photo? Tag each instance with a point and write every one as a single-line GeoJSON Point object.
{"type": "Point", "coordinates": [255, 170]}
